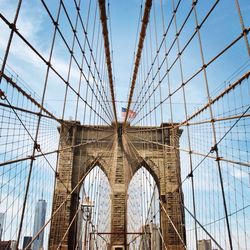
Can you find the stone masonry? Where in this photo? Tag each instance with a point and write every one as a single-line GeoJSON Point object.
{"type": "Point", "coordinates": [119, 153]}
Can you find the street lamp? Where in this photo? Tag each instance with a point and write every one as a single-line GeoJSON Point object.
{"type": "Point", "coordinates": [86, 208]}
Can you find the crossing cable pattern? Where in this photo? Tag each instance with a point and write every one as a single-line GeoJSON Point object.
{"type": "Point", "coordinates": [97, 188]}
{"type": "Point", "coordinates": [143, 210]}
{"type": "Point", "coordinates": [69, 65]}
{"type": "Point", "coordinates": [179, 81]}
{"type": "Point", "coordinates": [178, 66]}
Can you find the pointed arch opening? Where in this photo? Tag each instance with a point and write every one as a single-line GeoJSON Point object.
{"type": "Point", "coordinates": [143, 212]}
{"type": "Point", "coordinates": [94, 211]}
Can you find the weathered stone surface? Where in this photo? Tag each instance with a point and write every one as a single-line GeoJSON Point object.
{"type": "Point", "coordinates": [119, 155]}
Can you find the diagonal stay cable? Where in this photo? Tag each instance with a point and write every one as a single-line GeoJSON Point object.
{"type": "Point", "coordinates": [164, 210]}
{"type": "Point", "coordinates": [190, 78]}
{"type": "Point", "coordinates": [53, 151]}
{"type": "Point", "coordinates": [90, 48]}
{"type": "Point", "coordinates": [187, 122]}
{"type": "Point", "coordinates": [53, 68]}
{"type": "Point", "coordinates": [213, 148]}
{"type": "Point", "coordinates": [176, 230]}
{"type": "Point", "coordinates": [36, 145]}
{"type": "Point", "coordinates": [65, 200]}
{"type": "Point", "coordinates": [204, 229]}
{"type": "Point", "coordinates": [71, 51]}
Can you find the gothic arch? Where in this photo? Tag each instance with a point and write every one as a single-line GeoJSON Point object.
{"type": "Point", "coordinates": [101, 163]}
{"type": "Point", "coordinates": [150, 168]}
{"type": "Point", "coordinates": [125, 156]}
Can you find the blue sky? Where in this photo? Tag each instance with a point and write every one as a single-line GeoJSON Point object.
{"type": "Point", "coordinates": [219, 30]}
{"type": "Point", "coordinates": [34, 24]}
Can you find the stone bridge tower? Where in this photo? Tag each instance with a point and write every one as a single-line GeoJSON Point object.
{"type": "Point", "coordinates": [152, 147]}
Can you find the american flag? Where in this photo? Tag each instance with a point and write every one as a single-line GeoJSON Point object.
{"type": "Point", "coordinates": [131, 113]}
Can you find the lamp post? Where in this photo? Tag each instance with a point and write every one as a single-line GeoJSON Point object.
{"type": "Point", "coordinates": [86, 208]}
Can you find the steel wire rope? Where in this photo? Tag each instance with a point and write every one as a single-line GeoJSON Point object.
{"type": "Point", "coordinates": [225, 134]}
{"type": "Point", "coordinates": [176, 230]}
{"type": "Point", "coordinates": [91, 51]}
{"type": "Point", "coordinates": [171, 47]}
{"type": "Point", "coordinates": [157, 53]}
{"type": "Point", "coordinates": [215, 145]}
{"type": "Point", "coordinates": [92, 42]}
{"type": "Point", "coordinates": [136, 41]}
{"type": "Point", "coordinates": [111, 41]}
{"type": "Point", "coordinates": [171, 94]}
{"type": "Point", "coordinates": [55, 23]}
{"type": "Point", "coordinates": [215, 148]}
{"type": "Point", "coordinates": [50, 66]}
{"type": "Point", "coordinates": [142, 223]}
{"type": "Point", "coordinates": [64, 201]}
{"type": "Point", "coordinates": [186, 116]}
{"type": "Point", "coordinates": [83, 50]}
{"type": "Point", "coordinates": [188, 210]}
{"type": "Point", "coordinates": [178, 33]}
{"type": "Point", "coordinates": [13, 27]}
{"type": "Point", "coordinates": [36, 146]}
{"type": "Point", "coordinates": [242, 26]}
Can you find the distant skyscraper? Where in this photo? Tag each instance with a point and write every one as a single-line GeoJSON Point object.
{"type": "Point", "coordinates": [39, 221]}
{"type": "Point", "coordinates": [2, 216]}
{"type": "Point", "coordinates": [204, 245]}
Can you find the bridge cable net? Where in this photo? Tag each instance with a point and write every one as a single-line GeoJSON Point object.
{"type": "Point", "coordinates": [69, 71]}
{"type": "Point", "coordinates": [95, 218]}
{"type": "Point", "coordinates": [193, 76]}
{"type": "Point", "coordinates": [143, 212]}
{"type": "Point", "coordinates": [181, 83]}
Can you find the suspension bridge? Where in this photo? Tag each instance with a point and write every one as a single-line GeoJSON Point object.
{"type": "Point", "coordinates": [171, 171]}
